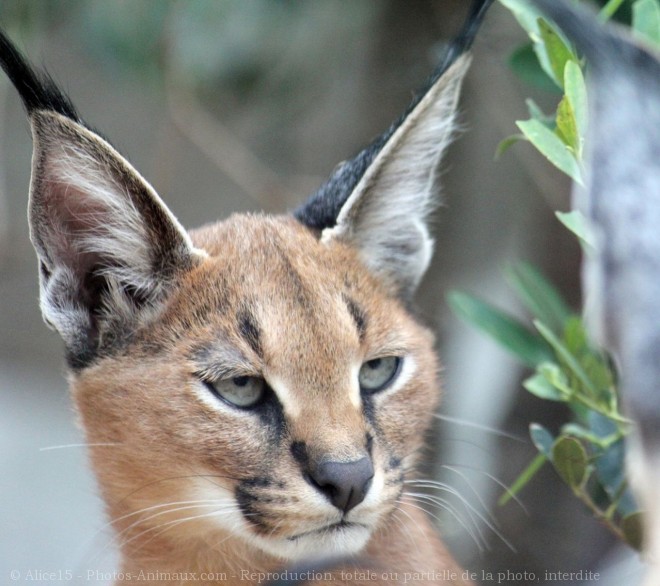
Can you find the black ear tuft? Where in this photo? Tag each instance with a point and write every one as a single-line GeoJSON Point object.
{"type": "Point", "coordinates": [323, 207]}
{"type": "Point", "coordinates": [37, 90]}
{"type": "Point", "coordinates": [109, 249]}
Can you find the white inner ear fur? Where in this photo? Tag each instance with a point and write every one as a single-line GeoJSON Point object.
{"type": "Point", "coordinates": [118, 229]}
{"type": "Point", "coordinates": [385, 216]}
{"type": "Point", "coordinates": [115, 228]}
{"type": "Point", "coordinates": [82, 215]}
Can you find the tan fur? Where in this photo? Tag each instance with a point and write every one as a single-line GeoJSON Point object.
{"type": "Point", "coordinates": [169, 446]}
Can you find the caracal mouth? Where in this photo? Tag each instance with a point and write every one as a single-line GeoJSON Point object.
{"type": "Point", "coordinates": [335, 540]}
{"type": "Point", "coordinates": [328, 529]}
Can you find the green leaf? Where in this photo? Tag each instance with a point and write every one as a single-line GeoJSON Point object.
{"type": "Point", "coordinates": [646, 20]}
{"type": "Point", "coordinates": [600, 375]}
{"type": "Point", "coordinates": [576, 92]}
{"type": "Point", "coordinates": [602, 426]}
{"type": "Point", "coordinates": [633, 531]}
{"type": "Point", "coordinates": [552, 147]}
{"type": "Point", "coordinates": [525, 476]}
{"type": "Point", "coordinates": [566, 356]}
{"type": "Point", "coordinates": [580, 432]}
{"type": "Point", "coordinates": [609, 10]}
{"type": "Point", "coordinates": [570, 461]}
{"type": "Point", "coordinates": [626, 504]}
{"type": "Point", "coordinates": [593, 362]}
{"type": "Point", "coordinates": [610, 468]}
{"type": "Point", "coordinates": [528, 17]}
{"type": "Point", "coordinates": [542, 439]}
{"type": "Point", "coordinates": [556, 377]}
{"type": "Point", "coordinates": [538, 295]}
{"type": "Point", "coordinates": [557, 51]}
{"type": "Point", "coordinates": [507, 143]}
{"type": "Point", "coordinates": [575, 336]}
{"type": "Point", "coordinates": [567, 128]}
{"type": "Point", "coordinates": [541, 387]}
{"type": "Point", "coordinates": [577, 223]}
{"type": "Point", "coordinates": [525, 64]}
{"type": "Point", "coordinates": [503, 328]}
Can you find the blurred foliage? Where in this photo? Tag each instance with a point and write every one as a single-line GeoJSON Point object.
{"type": "Point", "coordinates": [588, 451]}
{"type": "Point", "coordinates": [197, 42]}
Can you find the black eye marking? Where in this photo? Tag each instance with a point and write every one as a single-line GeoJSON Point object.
{"type": "Point", "coordinates": [358, 315]}
{"type": "Point", "coordinates": [248, 393]}
{"type": "Point", "coordinates": [299, 452]}
{"type": "Point", "coordinates": [369, 443]}
{"type": "Point", "coordinates": [249, 330]}
{"type": "Point", "coordinates": [369, 411]}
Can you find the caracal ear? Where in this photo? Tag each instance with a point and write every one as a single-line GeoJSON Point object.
{"type": "Point", "coordinates": [108, 247]}
{"type": "Point", "coordinates": [391, 188]}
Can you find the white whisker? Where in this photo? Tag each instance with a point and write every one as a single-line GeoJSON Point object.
{"type": "Point", "coordinates": [403, 525]}
{"type": "Point", "coordinates": [66, 446]}
{"type": "Point", "coordinates": [190, 505]}
{"type": "Point", "coordinates": [399, 501]}
{"type": "Point", "coordinates": [160, 506]}
{"type": "Point", "coordinates": [496, 480]}
{"type": "Point", "coordinates": [469, 507]}
{"type": "Point", "coordinates": [477, 537]}
{"type": "Point", "coordinates": [169, 524]}
{"type": "Point", "coordinates": [479, 426]}
{"type": "Point", "coordinates": [474, 491]}
{"type": "Point", "coordinates": [223, 507]}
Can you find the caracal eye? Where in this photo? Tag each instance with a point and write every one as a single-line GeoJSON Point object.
{"type": "Point", "coordinates": [376, 375]}
{"type": "Point", "coordinates": [240, 391]}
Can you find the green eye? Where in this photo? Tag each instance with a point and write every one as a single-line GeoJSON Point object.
{"type": "Point", "coordinates": [376, 375]}
{"type": "Point", "coordinates": [241, 391]}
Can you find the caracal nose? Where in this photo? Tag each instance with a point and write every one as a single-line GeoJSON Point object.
{"type": "Point", "coordinates": [345, 484]}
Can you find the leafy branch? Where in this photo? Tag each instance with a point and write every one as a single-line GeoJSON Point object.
{"type": "Point", "coordinates": [588, 451]}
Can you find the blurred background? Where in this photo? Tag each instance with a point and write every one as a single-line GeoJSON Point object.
{"type": "Point", "coordinates": [231, 106]}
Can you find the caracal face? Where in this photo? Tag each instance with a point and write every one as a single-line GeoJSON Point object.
{"type": "Point", "coordinates": [271, 302]}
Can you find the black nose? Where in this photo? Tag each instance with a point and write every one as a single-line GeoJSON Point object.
{"type": "Point", "coordinates": [344, 483]}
